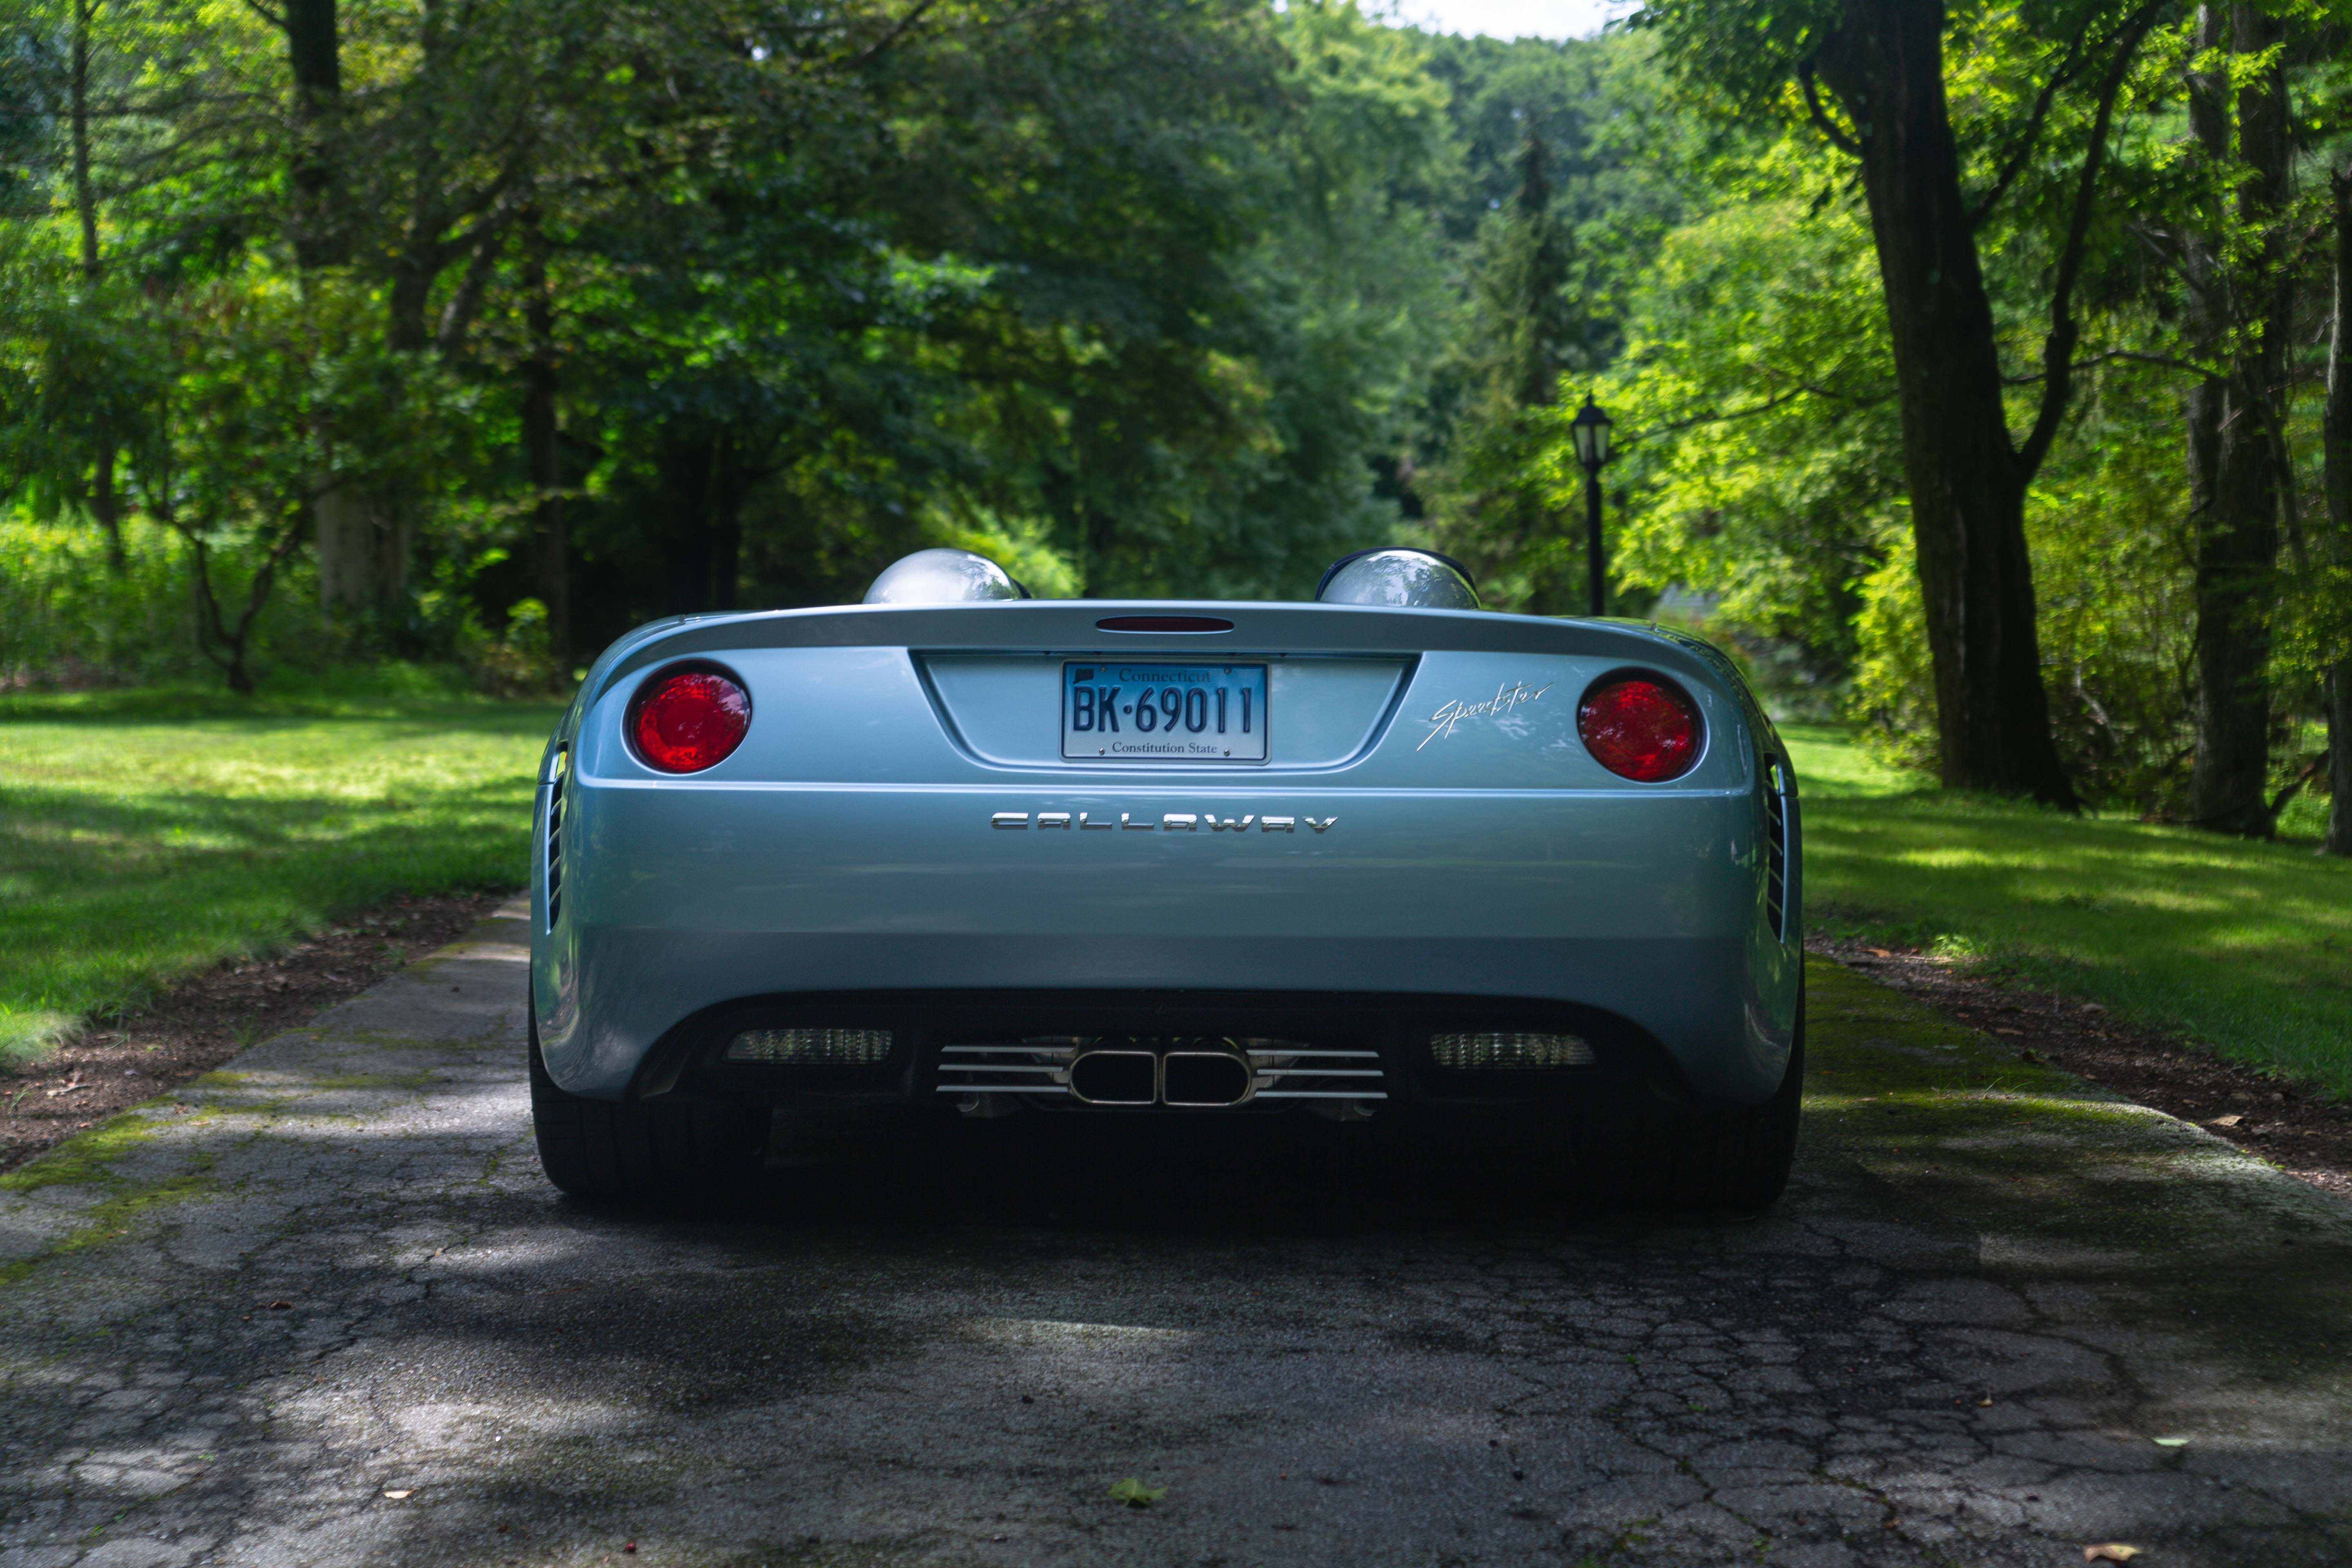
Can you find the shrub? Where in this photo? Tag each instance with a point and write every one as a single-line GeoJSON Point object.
{"type": "Point", "coordinates": [67, 620]}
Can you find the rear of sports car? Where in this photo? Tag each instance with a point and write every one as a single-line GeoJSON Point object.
{"type": "Point", "coordinates": [935, 863]}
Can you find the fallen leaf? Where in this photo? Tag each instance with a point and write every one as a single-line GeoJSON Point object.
{"type": "Point", "coordinates": [402, 1492]}
{"type": "Point", "coordinates": [1135, 1494]}
{"type": "Point", "coordinates": [2229, 1121]}
{"type": "Point", "coordinates": [1878, 953]}
{"type": "Point", "coordinates": [2109, 1552]}
{"type": "Point", "coordinates": [282, 1305]}
{"type": "Point", "coordinates": [2172, 1442]}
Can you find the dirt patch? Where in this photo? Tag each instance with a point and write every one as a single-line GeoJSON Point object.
{"type": "Point", "coordinates": [2290, 1125]}
{"type": "Point", "coordinates": [202, 1022]}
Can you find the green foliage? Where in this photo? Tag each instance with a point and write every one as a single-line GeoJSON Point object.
{"type": "Point", "coordinates": [1894, 685]}
{"type": "Point", "coordinates": [1754, 398]}
{"type": "Point", "coordinates": [2113, 573]}
{"type": "Point", "coordinates": [1576, 168]}
{"type": "Point", "coordinates": [1132, 290]}
{"type": "Point", "coordinates": [68, 618]}
{"type": "Point", "coordinates": [64, 615]}
{"type": "Point", "coordinates": [1170, 297]}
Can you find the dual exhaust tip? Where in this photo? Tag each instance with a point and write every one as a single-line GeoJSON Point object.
{"type": "Point", "coordinates": [1197, 1080]}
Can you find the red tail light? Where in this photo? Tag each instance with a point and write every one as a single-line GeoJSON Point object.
{"type": "Point", "coordinates": [1641, 727]}
{"type": "Point", "coordinates": [683, 721]}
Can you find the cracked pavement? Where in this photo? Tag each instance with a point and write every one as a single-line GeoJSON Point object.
{"type": "Point", "coordinates": [321, 1308]}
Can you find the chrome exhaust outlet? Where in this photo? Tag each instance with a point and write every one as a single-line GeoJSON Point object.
{"type": "Point", "coordinates": [1204, 1079]}
{"type": "Point", "coordinates": [1115, 1078]}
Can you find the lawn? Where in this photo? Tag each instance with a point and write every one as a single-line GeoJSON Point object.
{"type": "Point", "coordinates": [2244, 947]}
{"type": "Point", "coordinates": [147, 835]}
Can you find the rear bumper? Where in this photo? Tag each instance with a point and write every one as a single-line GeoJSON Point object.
{"type": "Point", "coordinates": [1644, 909]}
{"type": "Point", "coordinates": [1694, 1000]}
{"type": "Point", "coordinates": [993, 1052]}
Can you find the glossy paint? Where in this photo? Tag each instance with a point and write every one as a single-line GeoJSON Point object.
{"type": "Point", "coordinates": [1427, 821]}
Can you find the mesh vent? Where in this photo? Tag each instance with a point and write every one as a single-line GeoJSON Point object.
{"type": "Point", "coordinates": [558, 774]}
{"type": "Point", "coordinates": [1479, 1053]}
{"type": "Point", "coordinates": [1776, 847]}
{"type": "Point", "coordinates": [812, 1047]}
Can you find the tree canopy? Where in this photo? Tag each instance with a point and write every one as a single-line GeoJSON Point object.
{"type": "Point", "coordinates": [1970, 362]}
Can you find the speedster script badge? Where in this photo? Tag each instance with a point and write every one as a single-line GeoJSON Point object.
{"type": "Point", "coordinates": [1505, 698]}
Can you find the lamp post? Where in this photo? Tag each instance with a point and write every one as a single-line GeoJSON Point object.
{"type": "Point", "coordinates": [1590, 429]}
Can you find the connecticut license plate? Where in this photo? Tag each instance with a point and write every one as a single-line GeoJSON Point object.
{"type": "Point", "coordinates": [1164, 712]}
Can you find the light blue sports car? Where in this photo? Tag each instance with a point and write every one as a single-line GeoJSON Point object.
{"type": "Point", "coordinates": [957, 853]}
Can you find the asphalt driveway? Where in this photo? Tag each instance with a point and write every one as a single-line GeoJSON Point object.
{"type": "Point", "coordinates": [321, 1308]}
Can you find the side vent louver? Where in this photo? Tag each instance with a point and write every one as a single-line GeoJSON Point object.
{"type": "Point", "coordinates": [1776, 845]}
{"type": "Point", "coordinates": [557, 776]}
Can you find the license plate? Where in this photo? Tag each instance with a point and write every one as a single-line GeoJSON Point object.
{"type": "Point", "coordinates": [1164, 712]}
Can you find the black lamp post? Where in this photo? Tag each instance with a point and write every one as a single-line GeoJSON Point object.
{"type": "Point", "coordinates": [1590, 428]}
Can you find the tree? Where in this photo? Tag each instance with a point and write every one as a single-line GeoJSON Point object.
{"type": "Point", "coordinates": [1575, 167]}
{"type": "Point", "coordinates": [542, 437]}
{"type": "Point", "coordinates": [1883, 64]}
{"type": "Point", "coordinates": [2336, 455]}
{"type": "Point", "coordinates": [2240, 300]}
{"type": "Point", "coordinates": [1524, 334]}
{"type": "Point", "coordinates": [1759, 449]}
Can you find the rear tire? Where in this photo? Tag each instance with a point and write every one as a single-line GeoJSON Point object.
{"type": "Point", "coordinates": [1727, 1162]}
{"type": "Point", "coordinates": [635, 1152]}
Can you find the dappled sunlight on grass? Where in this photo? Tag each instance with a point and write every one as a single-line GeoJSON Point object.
{"type": "Point", "coordinates": [2245, 946]}
{"type": "Point", "coordinates": [1829, 764]}
{"type": "Point", "coordinates": [134, 850]}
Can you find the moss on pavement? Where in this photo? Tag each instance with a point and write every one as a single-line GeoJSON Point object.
{"type": "Point", "coordinates": [2058, 1178]}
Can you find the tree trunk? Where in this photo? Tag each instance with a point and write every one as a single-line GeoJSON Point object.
{"type": "Point", "coordinates": [727, 528]}
{"type": "Point", "coordinates": [407, 300]}
{"type": "Point", "coordinates": [707, 482]}
{"type": "Point", "coordinates": [314, 54]}
{"type": "Point", "coordinates": [104, 504]}
{"type": "Point", "coordinates": [1967, 492]}
{"type": "Point", "coordinates": [542, 444]}
{"type": "Point", "coordinates": [2339, 759]}
{"type": "Point", "coordinates": [85, 199]}
{"type": "Point", "coordinates": [363, 544]}
{"type": "Point", "coordinates": [685, 467]}
{"type": "Point", "coordinates": [2336, 462]}
{"type": "Point", "coordinates": [2236, 505]}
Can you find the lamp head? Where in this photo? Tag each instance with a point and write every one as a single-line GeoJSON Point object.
{"type": "Point", "coordinates": [1589, 430]}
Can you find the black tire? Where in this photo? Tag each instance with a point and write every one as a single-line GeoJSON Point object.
{"type": "Point", "coordinates": [1723, 1163]}
{"type": "Point", "coordinates": [637, 1153]}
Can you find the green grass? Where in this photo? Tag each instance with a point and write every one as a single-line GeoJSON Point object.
{"type": "Point", "coordinates": [147, 835]}
{"type": "Point", "coordinates": [2244, 947]}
